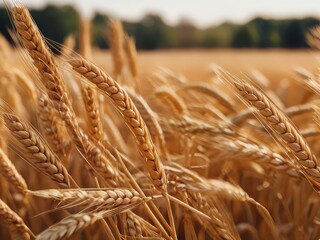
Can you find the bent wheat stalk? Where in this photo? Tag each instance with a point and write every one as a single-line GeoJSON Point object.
{"type": "Point", "coordinates": [222, 99]}
{"type": "Point", "coordinates": [41, 157]}
{"type": "Point", "coordinates": [100, 198]}
{"type": "Point", "coordinates": [42, 57]}
{"type": "Point", "coordinates": [51, 77]}
{"type": "Point", "coordinates": [281, 126]}
{"type": "Point", "coordinates": [68, 226]}
{"type": "Point", "coordinates": [134, 121]}
{"type": "Point", "coordinates": [151, 119]}
{"type": "Point", "coordinates": [130, 114]}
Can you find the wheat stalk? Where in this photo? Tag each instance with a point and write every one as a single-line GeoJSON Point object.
{"type": "Point", "coordinates": [43, 60]}
{"type": "Point", "coordinates": [191, 126]}
{"type": "Point", "coordinates": [10, 173]}
{"type": "Point", "coordinates": [98, 160]}
{"type": "Point", "coordinates": [202, 111]}
{"type": "Point", "coordinates": [176, 103]}
{"type": "Point", "coordinates": [222, 99]}
{"type": "Point", "coordinates": [130, 114]}
{"type": "Point", "coordinates": [282, 126]}
{"type": "Point", "coordinates": [219, 226]}
{"type": "Point", "coordinates": [293, 111]}
{"type": "Point", "coordinates": [42, 57]}
{"type": "Point", "coordinates": [68, 46]}
{"type": "Point", "coordinates": [248, 149]}
{"type": "Point", "coordinates": [115, 40]}
{"type": "Point", "coordinates": [85, 38]}
{"type": "Point", "coordinates": [26, 83]}
{"type": "Point", "coordinates": [13, 221]}
{"type": "Point", "coordinates": [52, 128]}
{"type": "Point", "coordinates": [95, 126]}
{"type": "Point", "coordinates": [101, 199]}
{"type": "Point", "coordinates": [51, 77]}
{"type": "Point", "coordinates": [131, 52]}
{"type": "Point", "coordinates": [150, 118]}
{"type": "Point", "coordinates": [134, 121]}
{"type": "Point", "coordinates": [40, 155]}
{"type": "Point", "coordinates": [313, 37]}
{"type": "Point", "coordinates": [70, 225]}
{"type": "Point", "coordinates": [132, 225]}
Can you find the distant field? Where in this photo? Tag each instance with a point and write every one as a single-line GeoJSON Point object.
{"type": "Point", "coordinates": [275, 64]}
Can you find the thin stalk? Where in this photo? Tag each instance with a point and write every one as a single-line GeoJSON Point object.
{"type": "Point", "coordinates": [149, 212]}
{"type": "Point", "coordinates": [170, 215]}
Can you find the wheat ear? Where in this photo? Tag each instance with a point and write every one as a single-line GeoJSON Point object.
{"type": "Point", "coordinates": [10, 173]}
{"type": "Point", "coordinates": [42, 57]}
{"type": "Point", "coordinates": [85, 38]}
{"type": "Point", "coordinates": [219, 226]}
{"type": "Point", "coordinates": [13, 221]}
{"type": "Point", "coordinates": [52, 130]}
{"type": "Point", "coordinates": [24, 80]}
{"type": "Point", "coordinates": [70, 225]}
{"type": "Point", "coordinates": [52, 79]}
{"type": "Point", "coordinates": [313, 37]}
{"type": "Point", "coordinates": [69, 44]}
{"type": "Point", "coordinates": [176, 103]}
{"type": "Point", "coordinates": [222, 99]}
{"type": "Point", "coordinates": [101, 199]}
{"type": "Point", "coordinates": [130, 114]}
{"type": "Point", "coordinates": [226, 190]}
{"type": "Point", "coordinates": [134, 121]}
{"type": "Point", "coordinates": [40, 155]}
{"type": "Point", "coordinates": [115, 38]}
{"type": "Point", "coordinates": [45, 63]}
{"type": "Point", "coordinates": [95, 126]}
{"type": "Point", "coordinates": [284, 129]}
{"type": "Point", "coordinates": [151, 119]}
{"type": "Point", "coordinates": [131, 52]}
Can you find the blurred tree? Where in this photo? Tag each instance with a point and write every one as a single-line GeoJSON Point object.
{"type": "Point", "coordinates": [186, 34]}
{"type": "Point", "coordinates": [209, 40]}
{"type": "Point", "coordinates": [293, 35]}
{"type": "Point", "coordinates": [57, 22]}
{"type": "Point", "coordinates": [5, 22]}
{"type": "Point", "coordinates": [264, 30]}
{"type": "Point", "coordinates": [99, 29]}
{"type": "Point", "coordinates": [243, 38]}
{"type": "Point", "coordinates": [151, 32]}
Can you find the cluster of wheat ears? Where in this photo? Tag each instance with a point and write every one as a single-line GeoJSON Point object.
{"type": "Point", "coordinates": [193, 162]}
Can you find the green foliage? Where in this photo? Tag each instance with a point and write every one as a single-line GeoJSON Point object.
{"type": "Point", "coordinates": [243, 38]}
{"type": "Point", "coordinates": [151, 32]}
{"type": "Point", "coordinates": [57, 22]}
{"type": "Point", "coordinates": [99, 26]}
{"type": "Point", "coordinates": [5, 22]}
{"type": "Point", "coordinates": [293, 35]}
{"type": "Point", "coordinates": [187, 35]}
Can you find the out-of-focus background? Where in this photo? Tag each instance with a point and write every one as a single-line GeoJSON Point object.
{"type": "Point", "coordinates": [182, 24]}
{"type": "Point", "coordinates": [235, 34]}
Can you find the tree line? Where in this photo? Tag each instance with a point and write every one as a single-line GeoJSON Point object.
{"type": "Point", "coordinates": [151, 32]}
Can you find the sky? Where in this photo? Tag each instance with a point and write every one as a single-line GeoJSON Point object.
{"type": "Point", "coordinates": [201, 12]}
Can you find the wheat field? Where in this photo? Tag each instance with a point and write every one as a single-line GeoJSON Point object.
{"type": "Point", "coordinates": [182, 144]}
